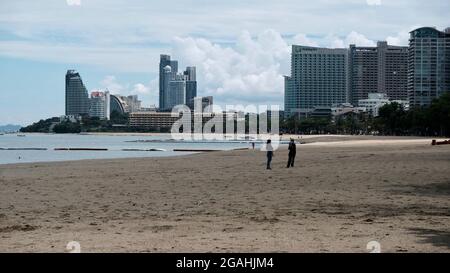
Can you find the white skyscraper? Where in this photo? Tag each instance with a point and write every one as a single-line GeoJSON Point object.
{"type": "Point", "coordinates": [100, 105]}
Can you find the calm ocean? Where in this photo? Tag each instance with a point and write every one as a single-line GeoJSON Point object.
{"type": "Point", "coordinates": [114, 144]}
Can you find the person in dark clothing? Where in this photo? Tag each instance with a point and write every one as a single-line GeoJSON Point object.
{"type": "Point", "coordinates": [269, 150]}
{"type": "Point", "coordinates": [292, 153]}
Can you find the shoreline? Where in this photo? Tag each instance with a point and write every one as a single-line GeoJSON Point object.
{"type": "Point", "coordinates": [317, 141]}
{"type": "Point", "coordinates": [97, 160]}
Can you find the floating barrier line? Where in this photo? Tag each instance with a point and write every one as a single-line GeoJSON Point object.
{"type": "Point", "coordinates": [143, 150]}
{"type": "Point", "coordinates": [195, 150]}
{"type": "Point", "coordinates": [80, 149]}
{"type": "Point", "coordinates": [23, 149]}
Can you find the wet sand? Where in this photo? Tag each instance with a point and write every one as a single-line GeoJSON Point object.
{"type": "Point", "coordinates": [342, 194]}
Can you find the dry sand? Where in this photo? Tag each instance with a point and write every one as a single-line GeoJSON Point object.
{"type": "Point", "coordinates": [339, 197]}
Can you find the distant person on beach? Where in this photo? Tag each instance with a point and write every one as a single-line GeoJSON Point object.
{"type": "Point", "coordinates": [292, 153]}
{"type": "Point", "coordinates": [269, 150]}
{"type": "Point", "coordinates": [253, 145]}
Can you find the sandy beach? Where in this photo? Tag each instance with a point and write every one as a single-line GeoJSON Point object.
{"type": "Point", "coordinates": [343, 193]}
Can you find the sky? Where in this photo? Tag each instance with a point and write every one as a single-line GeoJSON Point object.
{"type": "Point", "coordinates": [241, 48]}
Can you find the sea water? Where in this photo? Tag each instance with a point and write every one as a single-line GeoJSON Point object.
{"type": "Point", "coordinates": [114, 143]}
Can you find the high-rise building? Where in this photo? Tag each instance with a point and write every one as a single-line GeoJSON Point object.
{"type": "Point", "coordinates": [77, 97]}
{"type": "Point", "coordinates": [183, 83]}
{"type": "Point", "coordinates": [318, 78]}
{"type": "Point", "coordinates": [100, 105]}
{"type": "Point", "coordinates": [191, 73]}
{"type": "Point", "coordinates": [168, 69]}
{"type": "Point", "coordinates": [363, 72]}
{"type": "Point", "coordinates": [174, 66]}
{"type": "Point", "coordinates": [167, 77]}
{"type": "Point", "coordinates": [191, 90]}
{"type": "Point", "coordinates": [393, 71]}
{"type": "Point", "coordinates": [191, 83]}
{"type": "Point", "coordinates": [164, 63]}
{"type": "Point", "coordinates": [380, 69]}
{"type": "Point", "coordinates": [176, 94]}
{"type": "Point", "coordinates": [428, 65]}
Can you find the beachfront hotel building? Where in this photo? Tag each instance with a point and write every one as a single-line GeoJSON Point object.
{"type": "Point", "coordinates": [77, 97]}
{"type": "Point", "coordinates": [125, 104]}
{"type": "Point", "coordinates": [100, 105]}
{"type": "Point", "coordinates": [380, 69]}
{"type": "Point", "coordinates": [165, 120]}
{"type": "Point", "coordinates": [152, 119]}
{"type": "Point", "coordinates": [429, 65]}
{"type": "Point", "coordinates": [319, 78]}
{"type": "Point", "coordinates": [117, 104]}
{"type": "Point", "coordinates": [322, 77]}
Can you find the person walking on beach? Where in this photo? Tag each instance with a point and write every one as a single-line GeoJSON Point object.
{"type": "Point", "coordinates": [253, 145]}
{"type": "Point", "coordinates": [292, 153]}
{"type": "Point", "coordinates": [269, 150]}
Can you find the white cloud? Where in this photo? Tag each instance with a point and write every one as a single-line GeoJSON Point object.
{"type": "Point", "coordinates": [128, 36]}
{"type": "Point", "coordinates": [73, 2]}
{"type": "Point", "coordinates": [141, 22]}
{"type": "Point", "coordinates": [252, 67]}
{"type": "Point", "coordinates": [140, 88]}
{"type": "Point", "coordinates": [373, 2]}
{"type": "Point", "coordinates": [358, 39]}
{"type": "Point", "coordinates": [302, 39]}
{"type": "Point", "coordinates": [401, 39]}
{"type": "Point", "coordinates": [147, 93]}
{"type": "Point", "coordinates": [110, 83]}
{"type": "Point", "coordinates": [352, 38]}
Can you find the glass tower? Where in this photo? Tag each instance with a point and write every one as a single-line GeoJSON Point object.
{"type": "Point", "coordinates": [77, 97]}
{"type": "Point", "coordinates": [191, 83]}
{"type": "Point", "coordinates": [428, 65]}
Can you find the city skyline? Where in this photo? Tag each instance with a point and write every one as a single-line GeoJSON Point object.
{"type": "Point", "coordinates": [237, 62]}
{"type": "Point", "coordinates": [175, 88]}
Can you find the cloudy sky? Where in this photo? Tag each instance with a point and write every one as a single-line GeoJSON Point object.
{"type": "Point", "coordinates": [241, 47]}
